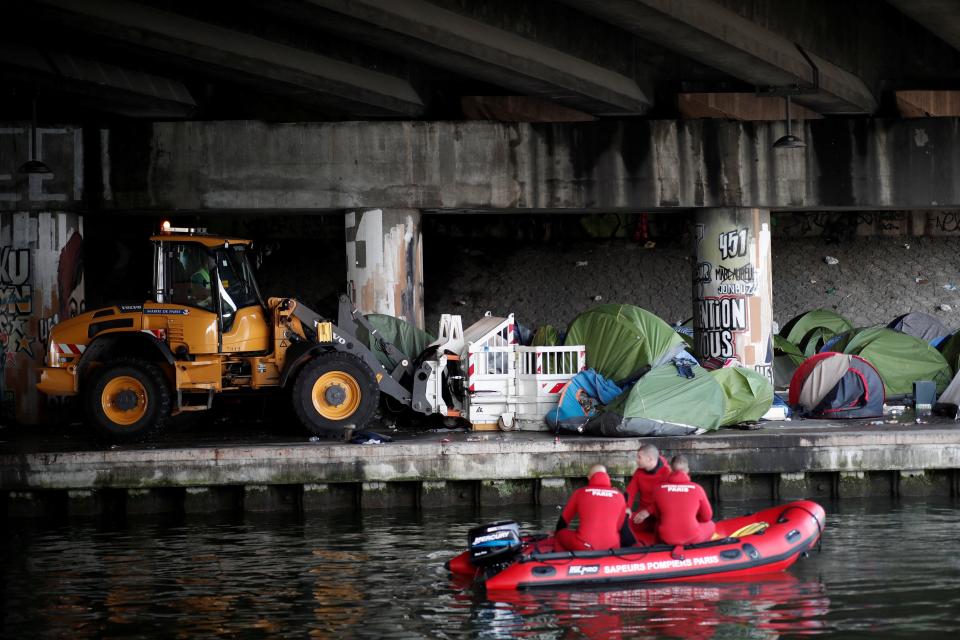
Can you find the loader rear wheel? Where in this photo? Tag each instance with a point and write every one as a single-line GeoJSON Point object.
{"type": "Point", "coordinates": [334, 390]}
{"type": "Point", "coordinates": [127, 400]}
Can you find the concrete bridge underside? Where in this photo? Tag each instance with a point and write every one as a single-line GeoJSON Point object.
{"type": "Point", "coordinates": [849, 163]}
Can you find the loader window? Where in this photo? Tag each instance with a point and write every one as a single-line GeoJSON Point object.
{"type": "Point", "coordinates": [191, 276]}
{"type": "Point", "coordinates": [238, 288]}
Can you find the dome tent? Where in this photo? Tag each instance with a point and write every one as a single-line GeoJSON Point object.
{"type": "Point", "coordinates": [900, 359]}
{"type": "Point", "coordinates": [810, 330]}
{"type": "Point", "coordinates": [837, 385]}
{"type": "Point", "coordinates": [620, 339]}
{"type": "Point", "coordinates": [919, 325]}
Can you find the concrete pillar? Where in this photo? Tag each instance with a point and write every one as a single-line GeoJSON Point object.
{"type": "Point", "coordinates": [385, 262]}
{"type": "Point", "coordinates": [733, 287]}
{"type": "Point", "coordinates": [41, 283]}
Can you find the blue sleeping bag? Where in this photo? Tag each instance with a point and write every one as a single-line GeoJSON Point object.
{"type": "Point", "coordinates": [580, 399]}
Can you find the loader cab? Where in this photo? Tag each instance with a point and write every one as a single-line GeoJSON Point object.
{"type": "Point", "coordinates": [212, 275]}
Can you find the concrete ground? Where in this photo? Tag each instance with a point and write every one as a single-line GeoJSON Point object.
{"type": "Point", "coordinates": [225, 431]}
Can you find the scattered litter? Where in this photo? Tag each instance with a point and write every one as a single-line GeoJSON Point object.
{"type": "Point", "coordinates": [461, 303]}
{"type": "Point", "coordinates": [950, 287]}
{"type": "Point", "coordinates": [445, 430]}
{"type": "Point", "coordinates": [812, 281]}
{"type": "Point", "coordinates": [369, 437]}
{"type": "Point", "coordinates": [919, 421]}
{"type": "Point", "coordinates": [597, 298]}
{"type": "Point", "coordinates": [876, 422]}
{"type": "Point", "coordinates": [445, 441]}
{"type": "Point", "coordinates": [474, 438]}
{"type": "Point", "coordinates": [113, 446]}
{"type": "Point", "coordinates": [831, 260]}
{"type": "Point", "coordinates": [649, 244]}
{"type": "Point", "coordinates": [314, 439]}
{"type": "Point", "coordinates": [894, 409]}
{"type": "Point", "coordinates": [945, 307]}
{"type": "Point", "coordinates": [906, 246]}
{"type": "Point", "coordinates": [830, 291]}
{"type": "Point", "coordinates": [920, 280]}
{"type": "Point", "coordinates": [582, 263]}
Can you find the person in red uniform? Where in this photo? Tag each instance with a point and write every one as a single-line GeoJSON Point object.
{"type": "Point", "coordinates": [685, 515]}
{"type": "Point", "coordinates": [652, 471]}
{"type": "Point", "coordinates": [601, 510]}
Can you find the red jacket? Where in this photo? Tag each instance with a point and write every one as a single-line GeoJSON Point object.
{"type": "Point", "coordinates": [644, 482]}
{"type": "Point", "coordinates": [601, 510]}
{"type": "Point", "coordinates": [681, 506]}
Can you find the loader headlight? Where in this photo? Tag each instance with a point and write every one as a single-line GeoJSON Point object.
{"type": "Point", "coordinates": [53, 354]}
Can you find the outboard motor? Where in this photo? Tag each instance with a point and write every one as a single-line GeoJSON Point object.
{"type": "Point", "coordinates": [494, 543]}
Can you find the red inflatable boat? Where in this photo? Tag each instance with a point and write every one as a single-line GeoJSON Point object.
{"type": "Point", "coordinates": [501, 560]}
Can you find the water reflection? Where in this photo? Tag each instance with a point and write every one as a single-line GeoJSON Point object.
{"type": "Point", "coordinates": [762, 608]}
{"type": "Point", "coordinates": [885, 569]}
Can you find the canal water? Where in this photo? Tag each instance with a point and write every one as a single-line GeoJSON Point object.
{"type": "Point", "coordinates": [887, 569]}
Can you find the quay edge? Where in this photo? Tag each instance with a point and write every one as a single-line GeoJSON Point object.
{"type": "Point", "coordinates": [511, 468]}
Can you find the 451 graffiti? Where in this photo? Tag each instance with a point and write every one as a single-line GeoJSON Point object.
{"type": "Point", "coordinates": [733, 244]}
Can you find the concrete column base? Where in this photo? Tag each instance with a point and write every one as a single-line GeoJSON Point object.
{"type": "Point", "coordinates": [154, 501]}
{"type": "Point", "coordinates": [799, 486]}
{"type": "Point", "coordinates": [330, 496]}
{"type": "Point", "coordinates": [447, 493]}
{"type": "Point", "coordinates": [735, 486]}
{"type": "Point", "coordinates": [271, 497]}
{"type": "Point", "coordinates": [505, 492]}
{"type": "Point", "coordinates": [920, 483]}
{"type": "Point", "coordinates": [199, 500]}
{"type": "Point", "coordinates": [389, 495]}
{"type": "Point", "coordinates": [554, 491]}
{"type": "Point", "coordinates": [864, 484]}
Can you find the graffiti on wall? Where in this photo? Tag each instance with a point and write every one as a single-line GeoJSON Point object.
{"type": "Point", "coordinates": [732, 289]}
{"type": "Point", "coordinates": [40, 287]}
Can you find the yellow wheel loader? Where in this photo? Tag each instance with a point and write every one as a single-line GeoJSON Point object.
{"type": "Point", "coordinates": [204, 331]}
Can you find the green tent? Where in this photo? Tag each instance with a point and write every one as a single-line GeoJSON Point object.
{"type": "Point", "coordinates": [950, 349]}
{"type": "Point", "coordinates": [663, 403]}
{"type": "Point", "coordinates": [899, 358]}
{"type": "Point", "coordinates": [410, 340]}
{"type": "Point", "coordinates": [786, 358]}
{"type": "Point", "coordinates": [748, 394]}
{"type": "Point", "coordinates": [546, 336]}
{"type": "Point", "coordinates": [810, 330]}
{"type": "Point", "coordinates": [622, 338]}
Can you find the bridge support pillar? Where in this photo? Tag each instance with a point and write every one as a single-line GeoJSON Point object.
{"type": "Point", "coordinates": [733, 287]}
{"type": "Point", "coordinates": [385, 262]}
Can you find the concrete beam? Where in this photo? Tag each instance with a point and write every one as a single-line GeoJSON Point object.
{"type": "Point", "coordinates": [601, 166]}
{"type": "Point", "coordinates": [358, 91]}
{"type": "Point", "coordinates": [444, 38]}
{"type": "Point", "coordinates": [718, 37]}
{"type": "Point", "coordinates": [125, 91]}
{"type": "Point", "coordinates": [926, 104]}
{"type": "Point", "coordinates": [940, 17]}
{"type": "Point", "coordinates": [739, 106]}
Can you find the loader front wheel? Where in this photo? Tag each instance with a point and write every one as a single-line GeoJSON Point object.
{"type": "Point", "coordinates": [127, 400]}
{"type": "Point", "coordinates": [334, 390]}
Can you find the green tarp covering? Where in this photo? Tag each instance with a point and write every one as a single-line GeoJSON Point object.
{"type": "Point", "coordinates": [404, 336]}
{"type": "Point", "coordinates": [899, 358]}
{"type": "Point", "coordinates": [810, 330]}
{"type": "Point", "coordinates": [663, 403]}
{"type": "Point", "coordinates": [622, 338]}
